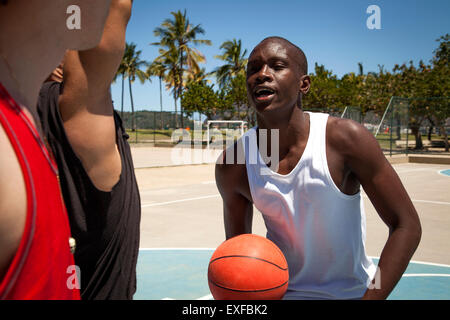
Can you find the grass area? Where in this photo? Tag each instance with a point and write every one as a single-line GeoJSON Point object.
{"type": "Point", "coordinates": [384, 141]}
{"type": "Point", "coordinates": [165, 136]}
{"type": "Point", "coordinates": [148, 135]}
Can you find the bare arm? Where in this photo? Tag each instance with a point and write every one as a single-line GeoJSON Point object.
{"type": "Point", "coordinates": [237, 209]}
{"type": "Point", "coordinates": [365, 159]}
{"type": "Point", "coordinates": [85, 104]}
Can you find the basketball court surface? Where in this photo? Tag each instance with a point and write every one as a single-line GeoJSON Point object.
{"type": "Point", "coordinates": [182, 224]}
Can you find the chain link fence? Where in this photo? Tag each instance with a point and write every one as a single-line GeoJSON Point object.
{"type": "Point", "coordinates": [408, 125]}
{"type": "Point", "coordinates": [417, 125]}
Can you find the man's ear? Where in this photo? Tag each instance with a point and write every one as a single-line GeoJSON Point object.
{"type": "Point", "coordinates": [305, 84]}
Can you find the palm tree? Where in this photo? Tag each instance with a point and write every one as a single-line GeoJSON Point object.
{"type": "Point", "coordinates": [235, 61]}
{"type": "Point", "coordinates": [121, 72]}
{"type": "Point", "coordinates": [179, 33]}
{"type": "Point", "coordinates": [360, 69]}
{"type": "Point", "coordinates": [169, 59]}
{"type": "Point", "coordinates": [158, 69]}
{"type": "Point", "coordinates": [198, 76]}
{"type": "Point", "coordinates": [131, 68]}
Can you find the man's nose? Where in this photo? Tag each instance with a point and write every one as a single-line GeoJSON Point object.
{"type": "Point", "coordinates": [264, 74]}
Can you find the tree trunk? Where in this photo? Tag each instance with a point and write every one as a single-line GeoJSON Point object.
{"type": "Point", "coordinates": [445, 137]}
{"type": "Point", "coordinates": [176, 110]}
{"type": "Point", "coordinates": [398, 129]}
{"type": "Point", "coordinates": [430, 129]}
{"type": "Point", "coordinates": [160, 101]}
{"type": "Point", "coordinates": [181, 111]}
{"type": "Point", "coordinates": [133, 120]}
{"type": "Point", "coordinates": [181, 86]}
{"type": "Point", "coordinates": [416, 132]}
{"type": "Point", "coordinates": [123, 89]}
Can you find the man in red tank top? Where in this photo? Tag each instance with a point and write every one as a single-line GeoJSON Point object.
{"type": "Point", "coordinates": [35, 257]}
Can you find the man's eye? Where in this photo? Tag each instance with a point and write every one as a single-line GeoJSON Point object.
{"type": "Point", "coordinates": [251, 70]}
{"type": "Point", "coordinates": [278, 67]}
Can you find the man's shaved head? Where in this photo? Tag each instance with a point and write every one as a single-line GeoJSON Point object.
{"type": "Point", "coordinates": [300, 55]}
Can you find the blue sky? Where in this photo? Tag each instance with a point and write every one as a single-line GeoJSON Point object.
{"type": "Point", "coordinates": [332, 33]}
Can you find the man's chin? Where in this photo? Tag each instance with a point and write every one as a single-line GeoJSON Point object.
{"type": "Point", "coordinates": [265, 107]}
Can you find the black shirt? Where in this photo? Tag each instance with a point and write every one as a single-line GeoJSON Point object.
{"type": "Point", "coordinates": [105, 225]}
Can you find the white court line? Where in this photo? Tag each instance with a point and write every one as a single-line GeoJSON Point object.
{"type": "Point", "coordinates": [207, 297]}
{"type": "Point", "coordinates": [433, 202]}
{"type": "Point", "coordinates": [371, 257]}
{"type": "Point", "coordinates": [417, 200]}
{"type": "Point", "coordinates": [430, 263]}
{"type": "Point", "coordinates": [217, 195]}
{"type": "Point", "coordinates": [177, 201]}
{"type": "Point", "coordinates": [419, 262]}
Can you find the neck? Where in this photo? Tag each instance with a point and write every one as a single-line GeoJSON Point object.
{"type": "Point", "coordinates": [293, 127]}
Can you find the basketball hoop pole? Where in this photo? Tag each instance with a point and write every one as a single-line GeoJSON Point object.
{"type": "Point", "coordinates": [207, 135]}
{"type": "Point", "coordinates": [384, 115]}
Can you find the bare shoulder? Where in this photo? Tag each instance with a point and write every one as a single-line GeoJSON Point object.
{"type": "Point", "coordinates": [350, 137]}
{"type": "Point", "coordinates": [345, 130]}
{"type": "Point", "coordinates": [358, 149]}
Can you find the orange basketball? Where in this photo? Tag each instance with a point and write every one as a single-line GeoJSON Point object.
{"type": "Point", "coordinates": [248, 267]}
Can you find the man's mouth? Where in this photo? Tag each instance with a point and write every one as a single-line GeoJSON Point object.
{"type": "Point", "coordinates": [264, 93]}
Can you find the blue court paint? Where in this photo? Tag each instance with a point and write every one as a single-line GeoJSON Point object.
{"type": "Point", "coordinates": [422, 288]}
{"type": "Point", "coordinates": [176, 274]}
{"type": "Point", "coordinates": [422, 281]}
{"type": "Point", "coordinates": [445, 172]}
{"type": "Point", "coordinates": [182, 274]}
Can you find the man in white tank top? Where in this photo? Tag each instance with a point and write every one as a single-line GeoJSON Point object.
{"type": "Point", "coordinates": [310, 199]}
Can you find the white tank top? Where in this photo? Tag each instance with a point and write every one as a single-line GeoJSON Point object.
{"type": "Point", "coordinates": [320, 230]}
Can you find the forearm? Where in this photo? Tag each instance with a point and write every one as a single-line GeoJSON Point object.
{"type": "Point", "coordinates": [234, 226]}
{"type": "Point", "coordinates": [394, 259]}
{"type": "Point", "coordinates": [99, 65]}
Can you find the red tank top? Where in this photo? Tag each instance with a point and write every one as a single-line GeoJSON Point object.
{"type": "Point", "coordinates": [43, 266]}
